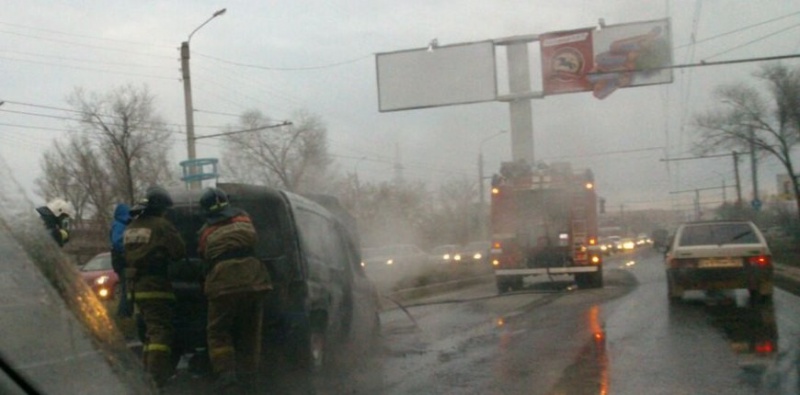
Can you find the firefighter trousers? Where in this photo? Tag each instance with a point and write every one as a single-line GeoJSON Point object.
{"type": "Point", "coordinates": [234, 333]}
{"type": "Point", "coordinates": [158, 314]}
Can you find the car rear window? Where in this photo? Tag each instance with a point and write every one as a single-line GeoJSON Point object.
{"type": "Point", "coordinates": [718, 234]}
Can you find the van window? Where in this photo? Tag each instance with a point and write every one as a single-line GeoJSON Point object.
{"type": "Point", "coordinates": [320, 239]}
{"type": "Point", "coordinates": [268, 221]}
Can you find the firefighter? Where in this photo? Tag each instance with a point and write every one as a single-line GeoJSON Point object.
{"type": "Point", "coordinates": [236, 283]}
{"type": "Point", "coordinates": [150, 243]}
{"type": "Point", "coordinates": [56, 216]}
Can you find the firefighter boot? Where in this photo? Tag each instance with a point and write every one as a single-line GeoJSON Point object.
{"type": "Point", "coordinates": [158, 363]}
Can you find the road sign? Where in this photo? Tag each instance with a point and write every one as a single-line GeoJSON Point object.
{"type": "Point", "coordinates": [756, 204]}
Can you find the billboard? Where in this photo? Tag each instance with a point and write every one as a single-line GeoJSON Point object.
{"type": "Point", "coordinates": [604, 60]}
{"type": "Point", "coordinates": [566, 59]}
{"type": "Point", "coordinates": [439, 76]}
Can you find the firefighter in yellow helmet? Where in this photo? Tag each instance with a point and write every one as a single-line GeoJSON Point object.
{"type": "Point", "coordinates": [56, 215]}
{"type": "Point", "coordinates": [236, 283]}
{"type": "Point", "coordinates": [150, 243]}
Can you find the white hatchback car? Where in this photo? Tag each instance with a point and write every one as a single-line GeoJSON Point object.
{"type": "Point", "coordinates": [714, 255]}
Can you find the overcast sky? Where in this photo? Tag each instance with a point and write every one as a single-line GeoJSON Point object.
{"type": "Point", "coordinates": [319, 56]}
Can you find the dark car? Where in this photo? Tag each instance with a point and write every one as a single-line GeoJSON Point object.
{"type": "Point", "coordinates": [100, 276]}
{"type": "Point", "coordinates": [394, 260]}
{"type": "Point", "coordinates": [322, 308]}
{"type": "Point", "coordinates": [477, 252]}
{"type": "Point", "coordinates": [716, 255]}
{"type": "Point", "coordinates": [446, 254]}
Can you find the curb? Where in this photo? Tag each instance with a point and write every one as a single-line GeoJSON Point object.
{"type": "Point", "coordinates": [787, 278]}
{"type": "Point", "coordinates": [418, 292]}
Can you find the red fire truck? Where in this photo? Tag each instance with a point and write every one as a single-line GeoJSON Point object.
{"type": "Point", "coordinates": [544, 222]}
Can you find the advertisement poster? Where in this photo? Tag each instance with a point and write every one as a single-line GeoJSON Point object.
{"type": "Point", "coordinates": [630, 55]}
{"type": "Point", "coordinates": [607, 59]}
{"type": "Point", "coordinates": [566, 58]}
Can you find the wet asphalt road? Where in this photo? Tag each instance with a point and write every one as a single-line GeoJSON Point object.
{"type": "Point", "coordinates": [554, 339]}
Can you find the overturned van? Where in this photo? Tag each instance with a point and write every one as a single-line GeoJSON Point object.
{"type": "Point", "coordinates": [322, 307]}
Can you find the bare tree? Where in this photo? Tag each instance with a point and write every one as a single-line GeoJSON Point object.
{"type": "Point", "coordinates": [293, 157]}
{"type": "Point", "coordinates": [118, 148]}
{"type": "Point", "coordinates": [457, 204]}
{"type": "Point", "coordinates": [746, 116]}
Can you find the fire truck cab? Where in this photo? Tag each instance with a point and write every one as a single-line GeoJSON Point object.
{"type": "Point", "coordinates": [544, 222]}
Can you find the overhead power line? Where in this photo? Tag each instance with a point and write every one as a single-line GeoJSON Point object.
{"type": "Point", "coordinates": [92, 69]}
{"type": "Point", "coordinates": [271, 68]}
{"type": "Point", "coordinates": [605, 153]}
{"type": "Point", "coordinates": [741, 29]}
{"type": "Point", "coordinates": [90, 37]}
{"type": "Point", "coordinates": [754, 41]}
{"type": "Point", "coordinates": [115, 49]}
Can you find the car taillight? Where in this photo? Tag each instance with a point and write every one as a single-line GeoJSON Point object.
{"type": "Point", "coordinates": [765, 347]}
{"type": "Point", "coordinates": [760, 260]}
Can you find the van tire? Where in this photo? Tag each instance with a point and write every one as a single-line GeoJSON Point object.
{"type": "Point", "coordinates": [308, 347]}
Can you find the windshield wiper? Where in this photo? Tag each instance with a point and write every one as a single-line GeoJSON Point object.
{"type": "Point", "coordinates": [21, 382]}
{"type": "Point", "coordinates": [740, 235]}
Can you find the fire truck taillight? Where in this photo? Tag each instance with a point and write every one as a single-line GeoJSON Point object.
{"type": "Point", "coordinates": [592, 241]}
{"type": "Point", "coordinates": [495, 191]}
{"type": "Point", "coordinates": [589, 185]}
{"type": "Point", "coordinates": [595, 259]}
{"type": "Point", "coordinates": [495, 262]}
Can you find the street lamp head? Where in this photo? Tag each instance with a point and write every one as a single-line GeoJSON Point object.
{"type": "Point", "coordinates": [216, 14]}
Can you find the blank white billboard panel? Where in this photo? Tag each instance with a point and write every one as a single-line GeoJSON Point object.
{"type": "Point", "coordinates": [447, 75]}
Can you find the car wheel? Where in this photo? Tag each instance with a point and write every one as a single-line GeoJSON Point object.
{"type": "Point", "coordinates": [307, 346]}
{"type": "Point", "coordinates": [757, 297]}
{"type": "Point", "coordinates": [316, 351]}
{"type": "Point", "coordinates": [674, 292]}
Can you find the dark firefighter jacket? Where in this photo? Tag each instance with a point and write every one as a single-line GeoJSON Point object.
{"type": "Point", "coordinates": [53, 225]}
{"type": "Point", "coordinates": [150, 243]}
{"type": "Point", "coordinates": [228, 250]}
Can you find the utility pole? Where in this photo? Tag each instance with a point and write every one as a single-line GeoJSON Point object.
{"type": "Point", "coordinates": [724, 192]}
{"type": "Point", "coordinates": [738, 182]}
{"type": "Point", "coordinates": [754, 164]}
{"type": "Point", "coordinates": [735, 170]}
{"type": "Point", "coordinates": [697, 212]}
{"type": "Point", "coordinates": [187, 99]}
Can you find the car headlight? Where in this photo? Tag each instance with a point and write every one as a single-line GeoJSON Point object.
{"type": "Point", "coordinates": [457, 257]}
{"type": "Point", "coordinates": [446, 257]}
{"type": "Point", "coordinates": [390, 261]}
{"type": "Point", "coordinates": [477, 256]}
{"type": "Point", "coordinates": [101, 280]}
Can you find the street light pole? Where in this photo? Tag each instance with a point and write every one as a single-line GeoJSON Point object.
{"type": "Point", "coordinates": [187, 97]}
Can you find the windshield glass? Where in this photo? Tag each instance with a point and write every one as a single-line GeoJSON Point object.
{"type": "Point", "coordinates": [448, 197]}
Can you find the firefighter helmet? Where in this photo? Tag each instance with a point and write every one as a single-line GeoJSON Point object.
{"type": "Point", "coordinates": [60, 207]}
{"type": "Point", "coordinates": [156, 199]}
{"type": "Point", "coordinates": [213, 201]}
